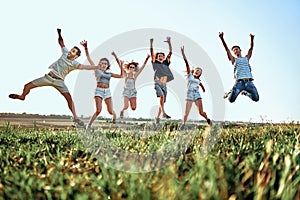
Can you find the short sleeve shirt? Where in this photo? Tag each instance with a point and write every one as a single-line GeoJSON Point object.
{"type": "Point", "coordinates": [193, 83]}
{"type": "Point", "coordinates": [162, 69]}
{"type": "Point", "coordinates": [63, 66]}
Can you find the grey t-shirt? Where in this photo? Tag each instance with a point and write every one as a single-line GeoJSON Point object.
{"type": "Point", "coordinates": [162, 69]}
{"type": "Point", "coordinates": [63, 65]}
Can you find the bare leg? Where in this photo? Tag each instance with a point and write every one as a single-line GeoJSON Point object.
{"type": "Point", "coordinates": [161, 107]}
{"type": "Point", "coordinates": [133, 103]}
{"type": "Point", "coordinates": [110, 110]}
{"type": "Point", "coordinates": [26, 90]}
{"type": "Point", "coordinates": [71, 106]}
{"type": "Point", "coordinates": [188, 107]}
{"type": "Point", "coordinates": [125, 105]}
{"type": "Point", "coordinates": [200, 108]}
{"type": "Point", "coordinates": [98, 102]}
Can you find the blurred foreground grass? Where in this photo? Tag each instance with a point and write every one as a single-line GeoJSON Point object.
{"type": "Point", "coordinates": [246, 162]}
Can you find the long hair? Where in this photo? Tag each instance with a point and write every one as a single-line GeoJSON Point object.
{"type": "Point", "coordinates": [105, 59]}
{"type": "Point", "coordinates": [136, 64]}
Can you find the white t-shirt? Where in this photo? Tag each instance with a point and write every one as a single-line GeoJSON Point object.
{"type": "Point", "coordinates": [63, 66]}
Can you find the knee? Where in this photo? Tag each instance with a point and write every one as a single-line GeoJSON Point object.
{"type": "Point", "coordinates": [97, 112]}
{"type": "Point", "coordinates": [231, 100]}
{"type": "Point", "coordinates": [255, 98]}
{"type": "Point", "coordinates": [125, 106]}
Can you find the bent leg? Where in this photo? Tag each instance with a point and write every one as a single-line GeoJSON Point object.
{"type": "Point", "coordinates": [26, 90]}
{"type": "Point", "coordinates": [132, 103]}
{"type": "Point", "coordinates": [200, 108]}
{"type": "Point", "coordinates": [250, 88]}
{"type": "Point", "coordinates": [236, 90]}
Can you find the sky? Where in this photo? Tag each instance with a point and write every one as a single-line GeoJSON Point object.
{"type": "Point", "coordinates": [29, 45]}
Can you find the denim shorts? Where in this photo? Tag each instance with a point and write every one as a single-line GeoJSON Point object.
{"type": "Point", "coordinates": [130, 93]}
{"type": "Point", "coordinates": [161, 90]}
{"type": "Point", "coordinates": [193, 95]}
{"type": "Point", "coordinates": [47, 80]}
{"type": "Point", "coordinates": [104, 93]}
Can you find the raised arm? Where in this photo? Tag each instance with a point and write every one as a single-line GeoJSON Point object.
{"type": "Point", "coordinates": [168, 40]}
{"type": "Point", "coordinates": [116, 57]}
{"type": "Point", "coordinates": [120, 63]}
{"type": "Point", "coordinates": [143, 66]}
{"type": "Point", "coordinates": [249, 54]}
{"type": "Point", "coordinates": [60, 39]}
{"type": "Point", "coordinates": [188, 70]}
{"type": "Point", "coordinates": [84, 44]}
{"type": "Point", "coordinates": [151, 51]}
{"type": "Point", "coordinates": [229, 55]}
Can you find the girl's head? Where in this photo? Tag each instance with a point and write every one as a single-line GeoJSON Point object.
{"type": "Point", "coordinates": [160, 56]}
{"type": "Point", "coordinates": [104, 64]}
{"type": "Point", "coordinates": [131, 67]}
{"type": "Point", "coordinates": [197, 71]}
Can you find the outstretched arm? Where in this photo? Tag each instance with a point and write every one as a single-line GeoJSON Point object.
{"type": "Point", "coordinates": [230, 57]}
{"type": "Point", "coordinates": [170, 48]}
{"type": "Point", "coordinates": [120, 62]}
{"type": "Point", "coordinates": [60, 39]}
{"type": "Point", "coordinates": [249, 54]}
{"type": "Point", "coordinates": [151, 51]}
{"type": "Point", "coordinates": [88, 67]}
{"type": "Point", "coordinates": [185, 60]}
{"type": "Point", "coordinates": [143, 66]}
{"type": "Point", "coordinates": [84, 44]}
{"type": "Point", "coordinates": [202, 87]}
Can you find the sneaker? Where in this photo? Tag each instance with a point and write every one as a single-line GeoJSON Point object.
{"type": "Point", "coordinates": [209, 122]}
{"type": "Point", "coordinates": [122, 114]}
{"type": "Point", "coordinates": [166, 116]}
{"type": "Point", "coordinates": [78, 122]}
{"type": "Point", "coordinates": [226, 94]}
{"type": "Point", "coordinates": [113, 120]}
{"type": "Point", "coordinates": [182, 127]}
{"type": "Point", "coordinates": [156, 120]}
{"type": "Point", "coordinates": [88, 127]}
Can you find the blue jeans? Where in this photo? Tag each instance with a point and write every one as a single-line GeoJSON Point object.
{"type": "Point", "coordinates": [241, 85]}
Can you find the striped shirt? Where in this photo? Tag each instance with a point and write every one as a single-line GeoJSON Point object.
{"type": "Point", "coordinates": [242, 68]}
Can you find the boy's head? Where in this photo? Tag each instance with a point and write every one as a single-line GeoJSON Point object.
{"type": "Point", "coordinates": [236, 50]}
{"type": "Point", "coordinates": [74, 53]}
{"type": "Point", "coordinates": [160, 56]}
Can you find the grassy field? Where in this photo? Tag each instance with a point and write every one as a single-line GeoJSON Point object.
{"type": "Point", "coordinates": [245, 162]}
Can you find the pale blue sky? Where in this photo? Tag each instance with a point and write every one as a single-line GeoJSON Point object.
{"type": "Point", "coordinates": [29, 46]}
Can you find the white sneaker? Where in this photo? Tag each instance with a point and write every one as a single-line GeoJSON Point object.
{"type": "Point", "coordinates": [227, 94]}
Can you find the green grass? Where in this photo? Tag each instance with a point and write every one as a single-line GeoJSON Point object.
{"type": "Point", "coordinates": [247, 162]}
